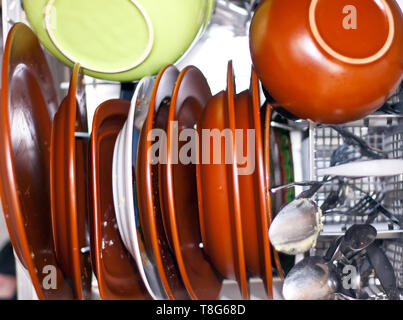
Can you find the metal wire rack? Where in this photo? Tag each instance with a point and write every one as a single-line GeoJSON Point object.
{"type": "Point", "coordinates": [384, 132]}
{"type": "Point", "coordinates": [370, 284]}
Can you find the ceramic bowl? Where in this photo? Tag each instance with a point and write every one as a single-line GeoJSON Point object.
{"type": "Point", "coordinates": [122, 41]}
{"type": "Point", "coordinates": [116, 271]}
{"type": "Point", "coordinates": [328, 61]}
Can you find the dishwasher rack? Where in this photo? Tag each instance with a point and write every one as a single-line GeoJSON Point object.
{"type": "Point", "coordinates": [381, 131]}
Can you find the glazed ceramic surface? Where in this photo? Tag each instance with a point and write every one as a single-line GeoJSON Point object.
{"type": "Point", "coordinates": [112, 39]}
{"type": "Point", "coordinates": [116, 271]}
{"type": "Point", "coordinates": [218, 191]}
{"type": "Point", "coordinates": [328, 61]}
{"type": "Point", "coordinates": [155, 238]}
{"type": "Point", "coordinates": [178, 188]}
{"type": "Point", "coordinates": [125, 190]}
{"type": "Point", "coordinates": [252, 188]}
{"type": "Point", "coordinates": [68, 183]}
{"type": "Point", "coordinates": [28, 105]}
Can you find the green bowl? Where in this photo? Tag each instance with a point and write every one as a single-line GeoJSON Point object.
{"type": "Point", "coordinates": [107, 35]}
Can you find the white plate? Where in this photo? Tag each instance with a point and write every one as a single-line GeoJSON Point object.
{"type": "Point", "coordinates": [124, 164]}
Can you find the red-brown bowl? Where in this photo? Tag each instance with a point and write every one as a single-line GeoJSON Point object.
{"type": "Point", "coordinates": [319, 65]}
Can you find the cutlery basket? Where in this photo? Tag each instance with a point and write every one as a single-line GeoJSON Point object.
{"type": "Point", "coordinates": [383, 132]}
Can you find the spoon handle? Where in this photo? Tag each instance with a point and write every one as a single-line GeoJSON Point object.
{"type": "Point", "coordinates": [384, 270]}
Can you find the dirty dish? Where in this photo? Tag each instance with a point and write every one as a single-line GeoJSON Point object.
{"type": "Point", "coordinates": [252, 187]}
{"type": "Point", "coordinates": [150, 153]}
{"type": "Point", "coordinates": [178, 187]}
{"type": "Point", "coordinates": [116, 272]}
{"type": "Point", "coordinates": [28, 104]}
{"type": "Point", "coordinates": [68, 193]}
{"type": "Point", "coordinates": [218, 190]}
{"type": "Point", "coordinates": [125, 197]}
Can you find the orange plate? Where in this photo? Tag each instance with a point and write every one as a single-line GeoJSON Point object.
{"type": "Point", "coordinates": [152, 223]}
{"type": "Point", "coordinates": [252, 186]}
{"type": "Point", "coordinates": [68, 193]}
{"type": "Point", "coordinates": [28, 104]}
{"type": "Point", "coordinates": [218, 192]}
{"type": "Point", "coordinates": [117, 273]}
{"type": "Point", "coordinates": [236, 218]}
{"type": "Point", "coordinates": [178, 188]}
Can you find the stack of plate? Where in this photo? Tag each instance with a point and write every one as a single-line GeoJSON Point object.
{"type": "Point", "coordinates": [147, 203]}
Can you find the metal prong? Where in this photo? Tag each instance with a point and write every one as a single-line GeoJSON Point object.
{"type": "Point", "coordinates": [82, 135]}
{"type": "Point", "coordinates": [85, 250]}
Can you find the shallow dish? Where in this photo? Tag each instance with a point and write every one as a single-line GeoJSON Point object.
{"type": "Point", "coordinates": [116, 271]}
{"type": "Point", "coordinates": [125, 200]}
{"type": "Point", "coordinates": [218, 191]}
{"type": "Point", "coordinates": [155, 239]}
{"type": "Point", "coordinates": [68, 191]}
{"type": "Point", "coordinates": [252, 187]}
{"type": "Point", "coordinates": [178, 187]}
{"type": "Point", "coordinates": [28, 105]}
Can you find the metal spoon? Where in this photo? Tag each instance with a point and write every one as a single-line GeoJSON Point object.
{"type": "Point", "coordinates": [316, 278]}
{"type": "Point", "coordinates": [297, 225]}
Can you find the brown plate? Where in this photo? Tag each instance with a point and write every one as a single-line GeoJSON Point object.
{"type": "Point", "coordinates": [236, 217]}
{"type": "Point", "coordinates": [218, 190]}
{"type": "Point", "coordinates": [252, 185]}
{"type": "Point", "coordinates": [117, 273]}
{"type": "Point", "coordinates": [152, 224]}
{"type": "Point", "coordinates": [68, 194]}
{"type": "Point", "coordinates": [28, 104]}
{"type": "Point", "coordinates": [178, 187]}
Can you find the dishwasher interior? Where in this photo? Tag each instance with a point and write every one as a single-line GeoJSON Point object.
{"type": "Point", "coordinates": [311, 147]}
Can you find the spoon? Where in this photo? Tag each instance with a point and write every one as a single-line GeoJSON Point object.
{"type": "Point", "coordinates": [316, 278]}
{"type": "Point", "coordinates": [297, 225]}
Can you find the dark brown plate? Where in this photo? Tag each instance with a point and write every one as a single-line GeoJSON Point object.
{"type": "Point", "coordinates": [116, 271]}
{"type": "Point", "coordinates": [156, 242]}
{"type": "Point", "coordinates": [28, 104]}
{"type": "Point", "coordinates": [178, 188]}
{"type": "Point", "coordinates": [218, 191]}
{"type": "Point", "coordinates": [68, 172]}
{"type": "Point", "coordinates": [252, 188]}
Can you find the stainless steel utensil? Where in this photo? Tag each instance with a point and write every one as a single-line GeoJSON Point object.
{"type": "Point", "coordinates": [316, 278]}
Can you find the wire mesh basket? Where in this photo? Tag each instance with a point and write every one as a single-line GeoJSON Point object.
{"type": "Point", "coordinates": [385, 133]}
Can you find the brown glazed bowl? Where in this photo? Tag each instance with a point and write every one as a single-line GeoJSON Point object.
{"type": "Point", "coordinates": [116, 271]}
{"type": "Point", "coordinates": [328, 61]}
{"type": "Point", "coordinates": [28, 105]}
{"type": "Point", "coordinates": [178, 187]}
{"type": "Point", "coordinates": [68, 191]}
{"type": "Point", "coordinates": [218, 190]}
